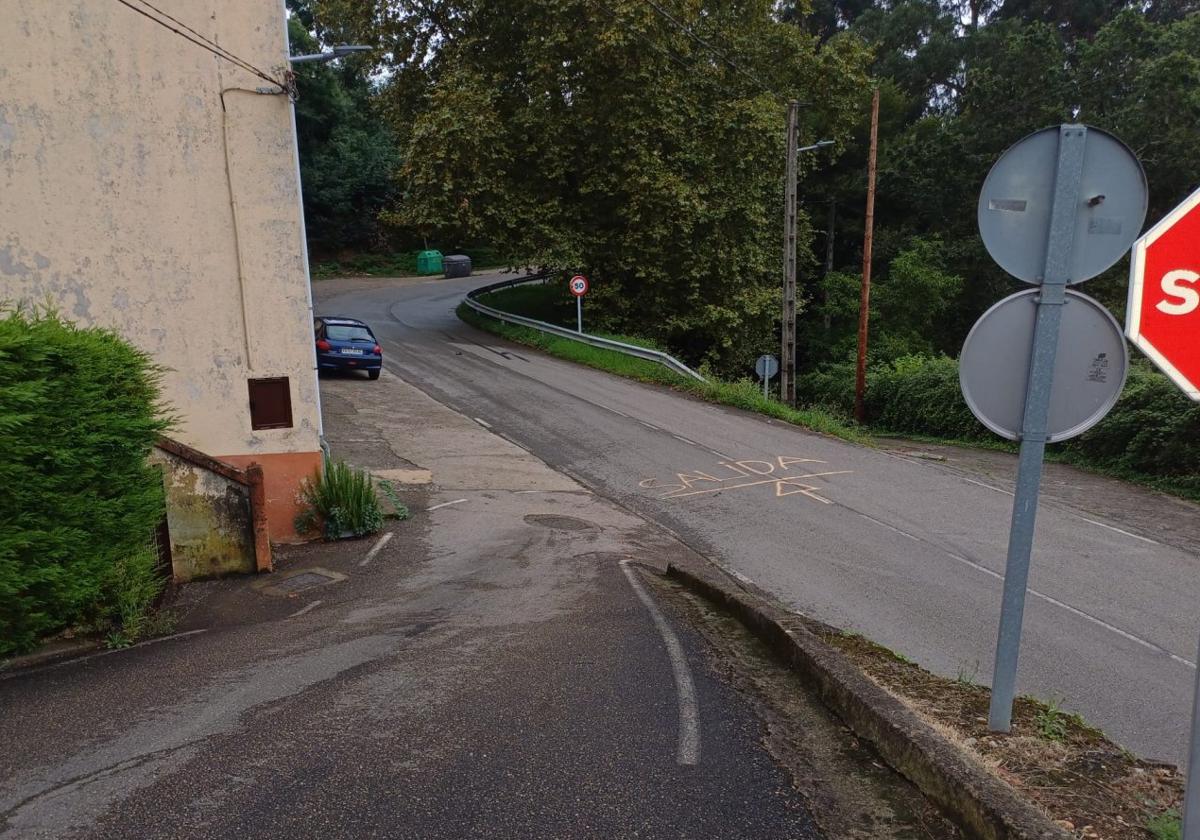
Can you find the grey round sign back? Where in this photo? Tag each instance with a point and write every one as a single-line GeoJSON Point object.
{"type": "Point", "coordinates": [1089, 370]}
{"type": "Point", "coordinates": [1015, 203]}
{"type": "Point", "coordinates": [766, 366]}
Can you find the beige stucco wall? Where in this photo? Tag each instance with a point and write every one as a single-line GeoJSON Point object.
{"type": "Point", "coordinates": [117, 206]}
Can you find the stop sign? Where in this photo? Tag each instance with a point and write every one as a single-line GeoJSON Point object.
{"type": "Point", "coordinates": [1163, 317]}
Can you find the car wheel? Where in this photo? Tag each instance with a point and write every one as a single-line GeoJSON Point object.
{"type": "Point", "coordinates": [373, 374]}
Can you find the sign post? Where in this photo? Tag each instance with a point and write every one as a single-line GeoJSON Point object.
{"type": "Point", "coordinates": [1057, 208]}
{"type": "Point", "coordinates": [1162, 320]}
{"type": "Point", "coordinates": [579, 288]}
{"type": "Point", "coordinates": [766, 367]}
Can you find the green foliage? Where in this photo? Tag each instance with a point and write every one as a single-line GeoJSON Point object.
{"type": "Point", "coordinates": [397, 264]}
{"type": "Point", "coordinates": [79, 414]}
{"type": "Point", "coordinates": [135, 584]}
{"type": "Point", "coordinates": [1166, 826]}
{"type": "Point", "coordinates": [340, 501]}
{"type": "Point", "coordinates": [1051, 722]}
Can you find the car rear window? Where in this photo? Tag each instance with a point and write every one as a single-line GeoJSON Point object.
{"type": "Point", "coordinates": [341, 332]}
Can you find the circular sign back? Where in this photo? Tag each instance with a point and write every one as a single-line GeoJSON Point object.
{"type": "Point", "coordinates": [578, 285]}
{"type": "Point", "coordinates": [767, 365]}
{"type": "Point", "coordinates": [1015, 204]}
{"type": "Point", "coordinates": [1089, 369]}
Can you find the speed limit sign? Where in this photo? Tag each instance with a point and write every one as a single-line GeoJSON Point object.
{"type": "Point", "coordinates": [578, 285]}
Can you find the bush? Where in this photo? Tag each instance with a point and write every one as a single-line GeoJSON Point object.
{"type": "Point", "coordinates": [920, 395]}
{"type": "Point", "coordinates": [79, 414]}
{"type": "Point", "coordinates": [341, 502]}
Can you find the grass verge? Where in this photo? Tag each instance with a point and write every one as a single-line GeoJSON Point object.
{"type": "Point", "coordinates": [743, 394]}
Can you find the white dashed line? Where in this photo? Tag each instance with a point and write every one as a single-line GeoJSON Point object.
{"type": "Point", "coordinates": [648, 425]}
{"type": "Point", "coordinates": [685, 440]}
{"type": "Point", "coordinates": [445, 504]}
{"type": "Point", "coordinates": [380, 543]}
{"type": "Point", "coordinates": [689, 717]}
{"type": "Point", "coordinates": [988, 486]}
{"type": "Point", "coordinates": [1119, 531]}
{"type": "Point", "coordinates": [614, 411]}
{"type": "Point", "coordinates": [721, 454]}
{"type": "Point", "coordinates": [311, 606]}
{"type": "Point", "coordinates": [889, 527]}
{"type": "Point", "coordinates": [1125, 634]}
{"type": "Point", "coordinates": [483, 423]}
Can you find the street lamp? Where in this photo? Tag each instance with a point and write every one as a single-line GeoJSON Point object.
{"type": "Point", "coordinates": [338, 51]}
{"type": "Point", "coordinates": [820, 144]}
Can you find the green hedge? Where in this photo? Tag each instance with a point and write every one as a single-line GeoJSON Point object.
{"type": "Point", "coordinates": [1152, 434]}
{"type": "Point", "coordinates": [79, 414]}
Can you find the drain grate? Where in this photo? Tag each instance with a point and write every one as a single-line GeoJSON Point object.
{"type": "Point", "coordinates": [299, 581]}
{"type": "Point", "coordinates": [560, 523]}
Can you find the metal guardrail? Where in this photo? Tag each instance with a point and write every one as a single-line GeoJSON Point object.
{"type": "Point", "coordinates": [666, 360]}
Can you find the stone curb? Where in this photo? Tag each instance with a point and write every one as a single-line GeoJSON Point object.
{"type": "Point", "coordinates": [983, 805]}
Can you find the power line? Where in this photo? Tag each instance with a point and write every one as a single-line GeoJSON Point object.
{"type": "Point", "coordinates": [714, 51]}
{"type": "Point", "coordinates": [203, 42]}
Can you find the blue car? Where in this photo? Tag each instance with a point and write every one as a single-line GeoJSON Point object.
{"type": "Point", "coordinates": [347, 344]}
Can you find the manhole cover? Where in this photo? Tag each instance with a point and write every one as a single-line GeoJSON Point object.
{"type": "Point", "coordinates": [561, 523]}
{"type": "Point", "coordinates": [298, 581]}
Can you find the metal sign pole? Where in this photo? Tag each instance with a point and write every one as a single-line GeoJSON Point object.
{"type": "Point", "coordinates": [579, 313]}
{"type": "Point", "coordinates": [1191, 797]}
{"type": "Point", "coordinates": [764, 386]}
{"type": "Point", "coordinates": [1067, 180]}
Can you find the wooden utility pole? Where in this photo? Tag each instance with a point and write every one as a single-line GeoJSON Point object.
{"type": "Point", "coordinates": [787, 360]}
{"type": "Point", "coordinates": [864, 299]}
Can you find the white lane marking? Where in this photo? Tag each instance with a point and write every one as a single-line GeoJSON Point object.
{"type": "Point", "coordinates": [445, 504]}
{"type": "Point", "coordinates": [988, 486]}
{"type": "Point", "coordinates": [689, 717]}
{"type": "Point", "coordinates": [1119, 531]}
{"type": "Point", "coordinates": [685, 440]}
{"type": "Point", "coordinates": [380, 543]}
{"type": "Point", "coordinates": [310, 607]}
{"type": "Point", "coordinates": [648, 425]}
{"type": "Point", "coordinates": [721, 454]}
{"type": "Point", "coordinates": [483, 423]}
{"type": "Point", "coordinates": [1125, 634]}
{"type": "Point", "coordinates": [614, 411]}
{"type": "Point", "coordinates": [889, 527]}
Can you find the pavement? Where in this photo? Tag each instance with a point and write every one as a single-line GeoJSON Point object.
{"type": "Point", "coordinates": [500, 665]}
{"type": "Point", "coordinates": [907, 550]}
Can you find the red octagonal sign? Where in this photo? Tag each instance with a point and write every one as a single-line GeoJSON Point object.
{"type": "Point", "coordinates": [1163, 317]}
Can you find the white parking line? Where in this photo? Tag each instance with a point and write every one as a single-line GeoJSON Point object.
{"type": "Point", "coordinates": [445, 504]}
{"type": "Point", "coordinates": [310, 607]}
{"type": "Point", "coordinates": [689, 716]}
{"type": "Point", "coordinates": [380, 543]}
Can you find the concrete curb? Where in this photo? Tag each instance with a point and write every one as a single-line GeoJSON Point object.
{"type": "Point", "coordinates": [983, 805]}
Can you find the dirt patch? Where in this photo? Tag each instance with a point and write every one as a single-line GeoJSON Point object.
{"type": "Point", "coordinates": [1083, 781]}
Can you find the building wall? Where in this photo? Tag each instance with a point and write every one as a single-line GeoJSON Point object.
{"type": "Point", "coordinates": [146, 186]}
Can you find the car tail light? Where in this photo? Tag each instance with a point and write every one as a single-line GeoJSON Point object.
{"type": "Point", "coordinates": [377, 350]}
{"type": "Point", "coordinates": [324, 346]}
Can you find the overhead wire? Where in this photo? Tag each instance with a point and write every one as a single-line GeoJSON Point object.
{"type": "Point", "coordinates": [648, 41]}
{"type": "Point", "coordinates": [663, 13]}
{"type": "Point", "coordinates": [201, 41]}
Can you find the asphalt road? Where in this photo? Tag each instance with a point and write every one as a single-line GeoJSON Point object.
{"type": "Point", "coordinates": [908, 552]}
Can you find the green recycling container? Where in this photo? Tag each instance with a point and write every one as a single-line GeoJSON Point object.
{"type": "Point", "coordinates": [429, 262]}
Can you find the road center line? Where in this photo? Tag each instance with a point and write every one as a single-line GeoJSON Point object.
{"type": "Point", "coordinates": [311, 606]}
{"type": "Point", "coordinates": [1124, 634]}
{"type": "Point", "coordinates": [379, 543]}
{"type": "Point", "coordinates": [685, 440]}
{"type": "Point", "coordinates": [1119, 531]}
{"type": "Point", "coordinates": [445, 504]}
{"type": "Point", "coordinates": [689, 717]}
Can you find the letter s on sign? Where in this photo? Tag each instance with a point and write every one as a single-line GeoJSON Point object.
{"type": "Point", "coordinates": [1171, 286]}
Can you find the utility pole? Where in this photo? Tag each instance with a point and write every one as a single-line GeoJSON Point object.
{"type": "Point", "coordinates": [787, 357]}
{"type": "Point", "coordinates": [864, 299]}
{"type": "Point", "coordinates": [829, 261]}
